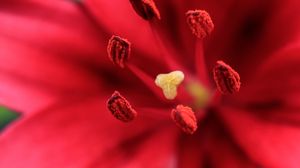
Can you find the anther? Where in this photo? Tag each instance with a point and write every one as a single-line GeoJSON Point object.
{"type": "Point", "coordinates": [118, 50]}
{"type": "Point", "coordinates": [146, 9]}
{"type": "Point", "coordinates": [185, 118]}
{"type": "Point", "coordinates": [169, 83]}
{"type": "Point", "coordinates": [121, 108]}
{"type": "Point", "coordinates": [199, 22]}
{"type": "Point", "coordinates": [226, 78]}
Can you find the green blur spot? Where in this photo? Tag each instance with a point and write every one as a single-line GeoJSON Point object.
{"type": "Point", "coordinates": [6, 117]}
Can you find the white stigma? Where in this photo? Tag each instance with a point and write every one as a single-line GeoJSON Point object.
{"type": "Point", "coordinates": [169, 83]}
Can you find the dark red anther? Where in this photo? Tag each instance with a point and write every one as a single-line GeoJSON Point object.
{"type": "Point", "coordinates": [121, 108]}
{"type": "Point", "coordinates": [185, 118]}
{"type": "Point", "coordinates": [226, 78]}
{"type": "Point", "coordinates": [118, 50]}
{"type": "Point", "coordinates": [199, 22]}
{"type": "Point", "coordinates": [146, 9]}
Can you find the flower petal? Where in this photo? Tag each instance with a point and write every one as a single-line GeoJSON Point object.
{"type": "Point", "coordinates": [266, 121]}
{"type": "Point", "coordinates": [222, 151]}
{"type": "Point", "coordinates": [22, 97]}
{"type": "Point", "coordinates": [255, 29]}
{"type": "Point", "coordinates": [191, 152]}
{"type": "Point", "coordinates": [84, 134]}
{"type": "Point", "coordinates": [274, 92]}
{"type": "Point", "coordinates": [212, 146]}
{"type": "Point", "coordinates": [269, 144]}
{"type": "Point", "coordinates": [47, 49]}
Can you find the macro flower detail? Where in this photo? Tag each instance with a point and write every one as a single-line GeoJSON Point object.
{"type": "Point", "coordinates": [146, 9]}
{"type": "Point", "coordinates": [118, 50]}
{"type": "Point", "coordinates": [200, 23]}
{"type": "Point", "coordinates": [77, 107]}
{"type": "Point", "coordinates": [185, 118]}
{"type": "Point", "coordinates": [121, 108]}
{"type": "Point", "coordinates": [169, 83]}
{"type": "Point", "coordinates": [226, 78]}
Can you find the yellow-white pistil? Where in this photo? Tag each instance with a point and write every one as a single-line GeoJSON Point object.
{"type": "Point", "coordinates": [169, 83]}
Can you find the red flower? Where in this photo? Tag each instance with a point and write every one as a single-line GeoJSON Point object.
{"type": "Point", "coordinates": [55, 69]}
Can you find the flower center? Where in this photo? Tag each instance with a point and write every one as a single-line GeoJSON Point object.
{"type": "Point", "coordinates": [227, 80]}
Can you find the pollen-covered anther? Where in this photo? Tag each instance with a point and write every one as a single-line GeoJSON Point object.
{"type": "Point", "coordinates": [226, 78]}
{"type": "Point", "coordinates": [121, 108]}
{"type": "Point", "coordinates": [169, 83]}
{"type": "Point", "coordinates": [185, 118]}
{"type": "Point", "coordinates": [146, 9]}
{"type": "Point", "coordinates": [199, 22]}
{"type": "Point", "coordinates": [118, 50]}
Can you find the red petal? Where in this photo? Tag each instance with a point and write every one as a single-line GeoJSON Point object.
{"type": "Point", "coordinates": [22, 97]}
{"type": "Point", "coordinates": [44, 49]}
{"type": "Point", "coordinates": [191, 152]}
{"type": "Point", "coordinates": [144, 153]}
{"type": "Point", "coordinates": [274, 93]}
{"type": "Point", "coordinates": [267, 143]}
{"type": "Point", "coordinates": [84, 134]}
{"type": "Point", "coordinates": [222, 150]}
{"type": "Point", "coordinates": [56, 28]}
{"type": "Point", "coordinates": [255, 30]}
{"type": "Point", "coordinates": [212, 146]}
{"type": "Point", "coordinates": [268, 126]}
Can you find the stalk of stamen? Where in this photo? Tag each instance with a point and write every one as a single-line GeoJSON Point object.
{"type": "Point", "coordinates": [146, 79]}
{"type": "Point", "coordinates": [200, 65]}
{"type": "Point", "coordinates": [185, 118]}
{"type": "Point", "coordinates": [201, 26]}
{"type": "Point", "coordinates": [147, 10]}
{"type": "Point", "coordinates": [167, 52]}
{"type": "Point", "coordinates": [121, 108]}
{"type": "Point", "coordinates": [226, 78]}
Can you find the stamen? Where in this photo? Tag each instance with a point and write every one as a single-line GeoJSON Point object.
{"type": "Point", "coordinates": [145, 8]}
{"type": "Point", "coordinates": [185, 118]}
{"type": "Point", "coordinates": [199, 22]}
{"type": "Point", "coordinates": [118, 50]}
{"type": "Point", "coordinates": [121, 108]}
{"type": "Point", "coordinates": [169, 83]}
{"type": "Point", "coordinates": [226, 78]}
